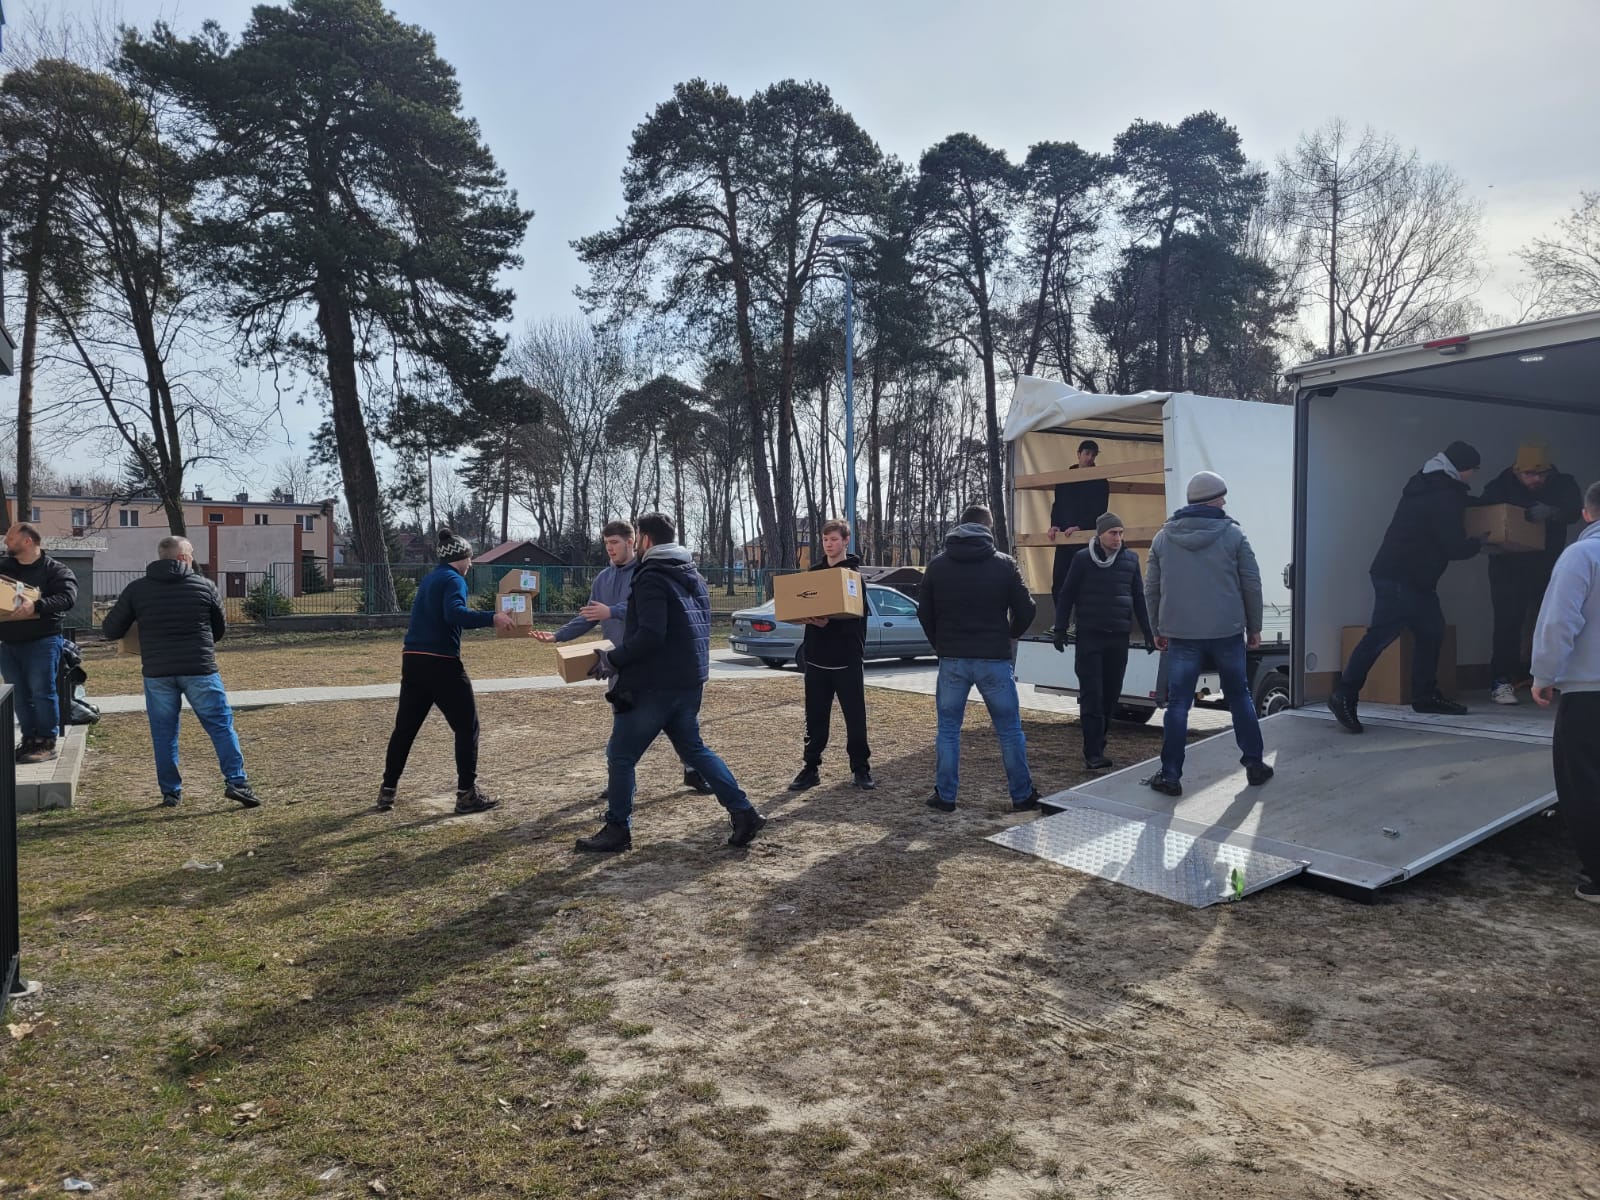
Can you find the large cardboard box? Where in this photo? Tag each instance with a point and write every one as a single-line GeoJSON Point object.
{"type": "Point", "coordinates": [836, 592]}
{"type": "Point", "coordinates": [128, 643]}
{"type": "Point", "coordinates": [520, 607]}
{"type": "Point", "coordinates": [12, 594]}
{"type": "Point", "coordinates": [1507, 527]}
{"type": "Point", "coordinates": [573, 663]}
{"type": "Point", "coordinates": [523, 580]}
{"type": "Point", "coordinates": [1390, 679]}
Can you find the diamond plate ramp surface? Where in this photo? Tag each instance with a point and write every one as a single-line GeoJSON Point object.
{"type": "Point", "coordinates": [1148, 855]}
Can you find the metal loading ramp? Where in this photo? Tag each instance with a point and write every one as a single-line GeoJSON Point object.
{"type": "Point", "coordinates": [1364, 811]}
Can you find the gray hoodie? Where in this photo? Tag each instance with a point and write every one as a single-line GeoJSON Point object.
{"type": "Point", "coordinates": [1566, 641]}
{"type": "Point", "coordinates": [1202, 581]}
{"type": "Point", "coordinates": [610, 588]}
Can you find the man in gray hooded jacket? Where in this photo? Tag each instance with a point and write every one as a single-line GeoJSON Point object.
{"type": "Point", "coordinates": [1203, 589]}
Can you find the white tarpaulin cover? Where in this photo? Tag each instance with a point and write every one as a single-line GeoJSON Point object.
{"type": "Point", "coordinates": [1050, 404]}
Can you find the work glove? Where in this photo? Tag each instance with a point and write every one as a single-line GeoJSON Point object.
{"type": "Point", "coordinates": [1541, 512]}
{"type": "Point", "coordinates": [602, 668]}
{"type": "Point", "coordinates": [1059, 641]}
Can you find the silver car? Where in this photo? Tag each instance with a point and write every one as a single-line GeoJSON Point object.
{"type": "Point", "coordinates": [893, 630]}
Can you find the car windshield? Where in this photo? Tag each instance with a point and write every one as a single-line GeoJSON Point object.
{"type": "Point", "coordinates": [889, 603]}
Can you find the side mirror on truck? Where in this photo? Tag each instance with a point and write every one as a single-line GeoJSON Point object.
{"type": "Point", "coordinates": [1288, 576]}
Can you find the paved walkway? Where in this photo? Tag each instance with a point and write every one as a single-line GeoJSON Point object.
{"type": "Point", "coordinates": [725, 664]}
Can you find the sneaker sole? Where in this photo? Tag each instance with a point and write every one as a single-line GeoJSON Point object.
{"type": "Point", "coordinates": [480, 808]}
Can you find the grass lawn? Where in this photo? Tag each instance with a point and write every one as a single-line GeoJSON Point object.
{"type": "Point", "coordinates": [870, 1001]}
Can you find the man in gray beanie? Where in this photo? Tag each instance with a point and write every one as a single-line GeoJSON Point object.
{"type": "Point", "coordinates": [1204, 591]}
{"type": "Point", "coordinates": [1104, 587]}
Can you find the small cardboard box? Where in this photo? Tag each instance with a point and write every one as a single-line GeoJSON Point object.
{"type": "Point", "coordinates": [573, 663]}
{"type": "Point", "coordinates": [836, 592]}
{"type": "Point", "coordinates": [128, 643]}
{"type": "Point", "coordinates": [520, 607]}
{"type": "Point", "coordinates": [1390, 679]}
{"type": "Point", "coordinates": [12, 594]}
{"type": "Point", "coordinates": [1507, 527]}
{"type": "Point", "coordinates": [521, 580]}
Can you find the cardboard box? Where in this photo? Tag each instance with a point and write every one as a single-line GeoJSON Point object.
{"type": "Point", "coordinates": [128, 643]}
{"type": "Point", "coordinates": [12, 594]}
{"type": "Point", "coordinates": [520, 606]}
{"type": "Point", "coordinates": [1390, 679]}
{"type": "Point", "coordinates": [523, 579]}
{"type": "Point", "coordinates": [836, 592]}
{"type": "Point", "coordinates": [1507, 527]}
{"type": "Point", "coordinates": [573, 663]}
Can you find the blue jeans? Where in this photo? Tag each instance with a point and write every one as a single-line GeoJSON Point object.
{"type": "Point", "coordinates": [998, 687]}
{"type": "Point", "coordinates": [676, 713]}
{"type": "Point", "coordinates": [31, 669]}
{"type": "Point", "coordinates": [1186, 657]}
{"type": "Point", "coordinates": [1396, 608]}
{"type": "Point", "coordinates": [163, 699]}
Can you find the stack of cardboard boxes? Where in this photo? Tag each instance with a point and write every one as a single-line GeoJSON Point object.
{"type": "Point", "coordinates": [518, 597]}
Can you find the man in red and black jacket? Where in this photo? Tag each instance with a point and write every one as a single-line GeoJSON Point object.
{"type": "Point", "coordinates": [833, 661]}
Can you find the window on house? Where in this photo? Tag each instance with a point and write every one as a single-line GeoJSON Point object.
{"type": "Point", "coordinates": [80, 517]}
{"type": "Point", "coordinates": [214, 518]}
{"type": "Point", "coordinates": [37, 515]}
{"type": "Point", "coordinates": [261, 518]}
{"type": "Point", "coordinates": [128, 517]}
{"type": "Point", "coordinates": [309, 524]}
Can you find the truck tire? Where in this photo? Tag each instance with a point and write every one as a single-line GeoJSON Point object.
{"type": "Point", "coordinates": [1272, 693]}
{"type": "Point", "coordinates": [1131, 714]}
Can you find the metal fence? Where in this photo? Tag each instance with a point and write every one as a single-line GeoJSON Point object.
{"type": "Point", "coordinates": [10, 896]}
{"type": "Point", "coordinates": [353, 588]}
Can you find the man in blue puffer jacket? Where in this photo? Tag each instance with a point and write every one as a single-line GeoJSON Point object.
{"type": "Point", "coordinates": [658, 676]}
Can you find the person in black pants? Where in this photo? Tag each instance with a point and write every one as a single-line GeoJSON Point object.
{"type": "Point", "coordinates": [1426, 534]}
{"type": "Point", "coordinates": [432, 674]}
{"type": "Point", "coordinates": [1105, 587]}
{"type": "Point", "coordinates": [835, 649]}
{"type": "Point", "coordinates": [1077, 506]}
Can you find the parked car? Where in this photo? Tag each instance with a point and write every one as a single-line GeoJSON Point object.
{"type": "Point", "coordinates": [893, 630]}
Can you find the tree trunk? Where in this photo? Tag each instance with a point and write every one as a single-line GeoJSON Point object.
{"type": "Point", "coordinates": [25, 371]}
{"type": "Point", "coordinates": [874, 484]}
{"type": "Point", "coordinates": [360, 473]}
{"type": "Point", "coordinates": [997, 476]}
{"type": "Point", "coordinates": [505, 497]}
{"type": "Point", "coordinates": [787, 435]}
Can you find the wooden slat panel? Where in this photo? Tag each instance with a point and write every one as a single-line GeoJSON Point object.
{"type": "Point", "coordinates": [1137, 538]}
{"type": "Point", "coordinates": [1127, 470]}
{"type": "Point", "coordinates": [1120, 488]}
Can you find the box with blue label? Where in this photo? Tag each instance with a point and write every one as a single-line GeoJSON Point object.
{"type": "Point", "coordinates": [835, 592]}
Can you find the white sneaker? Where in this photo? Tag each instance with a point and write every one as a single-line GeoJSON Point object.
{"type": "Point", "coordinates": [1504, 693]}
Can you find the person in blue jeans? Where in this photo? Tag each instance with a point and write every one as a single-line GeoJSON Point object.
{"type": "Point", "coordinates": [30, 639]}
{"type": "Point", "coordinates": [180, 621]}
{"type": "Point", "coordinates": [1203, 590]}
{"type": "Point", "coordinates": [657, 678]}
{"type": "Point", "coordinates": [973, 605]}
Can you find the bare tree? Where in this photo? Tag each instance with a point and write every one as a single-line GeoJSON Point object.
{"type": "Point", "coordinates": [295, 481]}
{"type": "Point", "coordinates": [1566, 265]}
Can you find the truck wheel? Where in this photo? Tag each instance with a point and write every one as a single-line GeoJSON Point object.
{"type": "Point", "coordinates": [1132, 715]}
{"type": "Point", "coordinates": [1272, 694]}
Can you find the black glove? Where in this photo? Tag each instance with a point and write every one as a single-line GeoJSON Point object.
{"type": "Point", "coordinates": [1149, 647]}
{"type": "Point", "coordinates": [602, 668]}
{"type": "Point", "coordinates": [1541, 512]}
{"type": "Point", "coordinates": [1059, 641]}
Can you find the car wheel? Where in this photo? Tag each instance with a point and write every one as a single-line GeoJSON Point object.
{"type": "Point", "coordinates": [1272, 694]}
{"type": "Point", "coordinates": [1132, 715]}
{"type": "Point", "coordinates": [777, 664]}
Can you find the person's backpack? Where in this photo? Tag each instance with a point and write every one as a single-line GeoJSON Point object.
{"type": "Point", "coordinates": [70, 678]}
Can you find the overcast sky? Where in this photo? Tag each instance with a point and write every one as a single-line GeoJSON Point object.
{"type": "Point", "coordinates": [1503, 92]}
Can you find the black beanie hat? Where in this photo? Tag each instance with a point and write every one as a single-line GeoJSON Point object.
{"type": "Point", "coordinates": [1462, 456]}
{"type": "Point", "coordinates": [453, 548]}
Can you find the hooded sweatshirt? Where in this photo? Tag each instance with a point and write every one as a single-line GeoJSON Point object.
{"type": "Point", "coordinates": [180, 620]}
{"type": "Point", "coordinates": [1566, 641]}
{"type": "Point", "coordinates": [842, 642]}
{"type": "Point", "coordinates": [974, 601]}
{"type": "Point", "coordinates": [1202, 581]}
{"type": "Point", "coordinates": [611, 588]}
{"type": "Point", "coordinates": [1426, 533]}
{"type": "Point", "coordinates": [666, 640]}
{"type": "Point", "coordinates": [439, 614]}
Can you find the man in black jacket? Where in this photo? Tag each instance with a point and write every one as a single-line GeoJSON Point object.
{"type": "Point", "coordinates": [834, 663]}
{"type": "Point", "coordinates": [1425, 536]}
{"type": "Point", "coordinates": [658, 677]}
{"type": "Point", "coordinates": [30, 640]}
{"type": "Point", "coordinates": [1077, 506]}
{"type": "Point", "coordinates": [1517, 581]}
{"type": "Point", "coordinates": [180, 621]}
{"type": "Point", "coordinates": [974, 604]}
{"type": "Point", "coordinates": [1104, 585]}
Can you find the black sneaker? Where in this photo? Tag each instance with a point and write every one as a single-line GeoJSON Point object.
{"type": "Point", "coordinates": [42, 750]}
{"type": "Point", "coordinates": [1098, 763]}
{"type": "Point", "coordinates": [242, 793]}
{"type": "Point", "coordinates": [939, 803]}
{"type": "Point", "coordinates": [808, 778]}
{"type": "Point", "coordinates": [1587, 891]}
{"type": "Point", "coordinates": [1257, 773]}
{"type": "Point", "coordinates": [386, 798]}
{"type": "Point", "coordinates": [1439, 705]}
{"type": "Point", "coordinates": [611, 839]}
{"type": "Point", "coordinates": [171, 799]}
{"type": "Point", "coordinates": [863, 779]}
{"type": "Point", "coordinates": [23, 747]}
{"type": "Point", "coordinates": [746, 824]}
{"type": "Point", "coordinates": [1028, 805]}
{"type": "Point", "coordinates": [695, 781]}
{"type": "Point", "coordinates": [473, 800]}
{"type": "Point", "coordinates": [1343, 707]}
{"type": "Point", "coordinates": [1167, 787]}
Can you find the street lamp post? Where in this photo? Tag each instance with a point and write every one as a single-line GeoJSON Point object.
{"type": "Point", "coordinates": [849, 241]}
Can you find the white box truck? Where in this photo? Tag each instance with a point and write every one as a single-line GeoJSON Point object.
{"type": "Point", "coordinates": [1150, 444]}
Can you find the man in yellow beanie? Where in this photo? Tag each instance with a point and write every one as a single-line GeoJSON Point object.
{"type": "Point", "coordinates": [1517, 581]}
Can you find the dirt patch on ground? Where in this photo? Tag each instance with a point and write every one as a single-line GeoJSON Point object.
{"type": "Point", "coordinates": [871, 1000]}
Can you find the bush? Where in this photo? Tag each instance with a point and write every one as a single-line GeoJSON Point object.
{"type": "Point", "coordinates": [265, 600]}
{"type": "Point", "coordinates": [405, 591]}
{"type": "Point", "coordinates": [312, 580]}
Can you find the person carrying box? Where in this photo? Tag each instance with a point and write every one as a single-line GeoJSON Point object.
{"type": "Point", "coordinates": [30, 639]}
